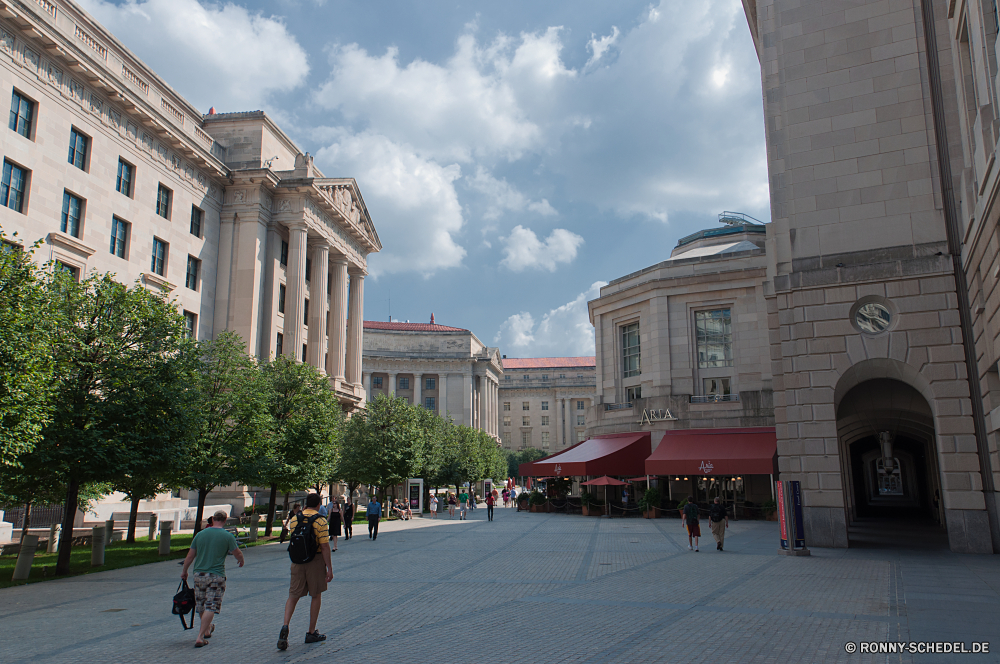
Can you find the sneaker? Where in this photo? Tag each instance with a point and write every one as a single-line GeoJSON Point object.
{"type": "Point", "coordinates": [283, 638]}
{"type": "Point", "coordinates": [690, 548]}
{"type": "Point", "coordinates": [315, 637]}
{"type": "Point", "coordinates": [696, 549]}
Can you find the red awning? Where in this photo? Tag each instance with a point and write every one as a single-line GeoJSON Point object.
{"type": "Point", "coordinates": [749, 451]}
{"type": "Point", "coordinates": [612, 454]}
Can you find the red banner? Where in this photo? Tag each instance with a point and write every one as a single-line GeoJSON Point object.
{"type": "Point", "coordinates": [781, 514]}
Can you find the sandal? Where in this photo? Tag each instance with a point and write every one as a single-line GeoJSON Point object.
{"type": "Point", "coordinates": [200, 644]}
{"type": "Point", "coordinates": [209, 635]}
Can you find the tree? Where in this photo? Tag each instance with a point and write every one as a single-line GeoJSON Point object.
{"type": "Point", "coordinates": [516, 458]}
{"type": "Point", "coordinates": [228, 432]}
{"type": "Point", "coordinates": [306, 428]}
{"type": "Point", "coordinates": [383, 445]}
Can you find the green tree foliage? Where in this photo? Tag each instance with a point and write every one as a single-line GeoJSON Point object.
{"type": "Point", "coordinates": [516, 457]}
{"type": "Point", "coordinates": [384, 444]}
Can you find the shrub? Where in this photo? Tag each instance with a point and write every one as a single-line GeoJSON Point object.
{"type": "Point", "coordinates": [650, 499]}
{"type": "Point", "coordinates": [768, 507]}
{"type": "Point", "coordinates": [536, 498]}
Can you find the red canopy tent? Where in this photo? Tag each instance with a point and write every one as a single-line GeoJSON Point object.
{"type": "Point", "coordinates": [610, 454]}
{"type": "Point", "coordinates": [744, 451]}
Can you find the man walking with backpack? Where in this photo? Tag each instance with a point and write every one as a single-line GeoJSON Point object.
{"type": "Point", "coordinates": [719, 522]}
{"type": "Point", "coordinates": [689, 518]}
{"type": "Point", "coordinates": [312, 569]}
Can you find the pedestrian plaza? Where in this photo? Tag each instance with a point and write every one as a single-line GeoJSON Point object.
{"type": "Point", "coordinates": [533, 588]}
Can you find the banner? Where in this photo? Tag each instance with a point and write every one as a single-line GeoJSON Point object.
{"type": "Point", "coordinates": [781, 514]}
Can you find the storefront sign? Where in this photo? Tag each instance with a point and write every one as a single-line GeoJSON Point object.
{"type": "Point", "coordinates": [790, 515]}
{"type": "Point", "coordinates": [558, 469]}
{"type": "Point", "coordinates": [650, 415]}
{"type": "Point", "coordinates": [706, 467]}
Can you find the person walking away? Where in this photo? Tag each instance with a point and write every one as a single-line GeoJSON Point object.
{"type": "Point", "coordinates": [451, 505]}
{"type": "Point", "coordinates": [719, 521]}
{"type": "Point", "coordinates": [296, 508]}
{"type": "Point", "coordinates": [463, 500]}
{"type": "Point", "coordinates": [689, 518]}
{"type": "Point", "coordinates": [312, 569]}
{"type": "Point", "coordinates": [513, 498]}
{"type": "Point", "coordinates": [333, 518]}
{"type": "Point", "coordinates": [349, 520]}
{"type": "Point", "coordinates": [208, 552]}
{"type": "Point", "coordinates": [434, 505]}
{"type": "Point", "coordinates": [472, 498]}
{"type": "Point", "coordinates": [624, 501]}
{"type": "Point", "coordinates": [374, 513]}
{"type": "Point", "coordinates": [490, 502]}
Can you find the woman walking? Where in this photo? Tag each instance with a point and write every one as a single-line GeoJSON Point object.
{"type": "Point", "coordinates": [348, 520]}
{"type": "Point", "coordinates": [434, 505]}
{"type": "Point", "coordinates": [451, 505]}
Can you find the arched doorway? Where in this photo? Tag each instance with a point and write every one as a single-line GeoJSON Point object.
{"type": "Point", "coordinates": [889, 463]}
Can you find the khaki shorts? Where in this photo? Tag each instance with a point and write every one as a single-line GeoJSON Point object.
{"type": "Point", "coordinates": [208, 592]}
{"type": "Point", "coordinates": [308, 578]}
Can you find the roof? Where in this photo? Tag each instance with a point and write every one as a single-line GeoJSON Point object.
{"type": "Point", "coordinates": [548, 362]}
{"type": "Point", "coordinates": [410, 327]}
{"type": "Point", "coordinates": [719, 232]}
{"type": "Point", "coordinates": [716, 250]}
{"type": "Point", "coordinates": [741, 451]}
{"type": "Point", "coordinates": [610, 454]}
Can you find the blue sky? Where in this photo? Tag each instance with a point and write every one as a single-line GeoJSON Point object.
{"type": "Point", "coordinates": [513, 155]}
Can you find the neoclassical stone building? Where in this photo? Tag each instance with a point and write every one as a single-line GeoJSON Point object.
{"type": "Point", "coordinates": [446, 369]}
{"type": "Point", "coordinates": [544, 401]}
{"type": "Point", "coordinates": [117, 172]}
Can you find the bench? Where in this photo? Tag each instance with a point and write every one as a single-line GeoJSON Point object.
{"type": "Point", "coordinates": [141, 518]}
{"type": "Point", "coordinates": [233, 528]}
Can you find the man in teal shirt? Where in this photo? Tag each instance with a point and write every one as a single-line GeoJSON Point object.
{"type": "Point", "coordinates": [208, 552]}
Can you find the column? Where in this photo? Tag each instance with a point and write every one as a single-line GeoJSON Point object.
{"type": "Point", "coordinates": [558, 423]}
{"type": "Point", "coordinates": [495, 401]}
{"type": "Point", "coordinates": [246, 279]}
{"type": "Point", "coordinates": [295, 291]}
{"type": "Point", "coordinates": [567, 423]}
{"type": "Point", "coordinates": [338, 319]}
{"type": "Point", "coordinates": [355, 327]}
{"type": "Point", "coordinates": [320, 254]}
{"type": "Point", "coordinates": [368, 386]}
{"type": "Point", "coordinates": [443, 394]}
{"type": "Point", "coordinates": [269, 295]}
{"type": "Point", "coordinates": [482, 403]}
{"type": "Point", "coordinates": [417, 387]}
{"type": "Point", "coordinates": [467, 410]}
{"type": "Point", "coordinates": [392, 383]}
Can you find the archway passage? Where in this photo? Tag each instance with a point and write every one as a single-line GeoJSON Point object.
{"type": "Point", "coordinates": [889, 462]}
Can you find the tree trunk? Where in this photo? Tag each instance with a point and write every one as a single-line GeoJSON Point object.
{"type": "Point", "coordinates": [202, 495]}
{"type": "Point", "coordinates": [66, 537]}
{"type": "Point", "coordinates": [133, 515]}
{"type": "Point", "coordinates": [270, 510]}
{"type": "Point", "coordinates": [26, 521]}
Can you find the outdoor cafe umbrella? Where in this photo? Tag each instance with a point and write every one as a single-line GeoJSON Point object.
{"type": "Point", "coordinates": [605, 481]}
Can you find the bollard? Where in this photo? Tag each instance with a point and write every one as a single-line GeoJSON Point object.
{"type": "Point", "coordinates": [24, 559]}
{"type": "Point", "coordinates": [109, 532]}
{"type": "Point", "coordinates": [254, 523]}
{"type": "Point", "coordinates": [165, 528]}
{"type": "Point", "coordinates": [97, 546]}
{"type": "Point", "coordinates": [152, 528]}
{"type": "Point", "coordinates": [53, 543]}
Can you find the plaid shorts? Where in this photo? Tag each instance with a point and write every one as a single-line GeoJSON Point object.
{"type": "Point", "coordinates": [208, 592]}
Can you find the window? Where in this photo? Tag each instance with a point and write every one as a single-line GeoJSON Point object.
{"type": "Point", "coordinates": [78, 149]}
{"type": "Point", "coordinates": [377, 381]}
{"type": "Point", "coordinates": [71, 212]}
{"type": "Point", "coordinates": [158, 264]}
{"type": "Point", "coordinates": [125, 173]}
{"type": "Point", "coordinates": [633, 393]}
{"type": "Point", "coordinates": [714, 337]}
{"type": "Point", "coordinates": [562, 375]}
{"type": "Point", "coordinates": [525, 405]}
{"type": "Point", "coordinates": [579, 436]}
{"type": "Point", "coordinates": [119, 235]}
{"type": "Point", "coordinates": [545, 376]}
{"type": "Point", "coordinates": [191, 276]}
{"type": "Point", "coordinates": [506, 420]}
{"type": "Point", "coordinates": [309, 269]}
{"type": "Point", "coordinates": [279, 345]}
{"type": "Point", "coordinates": [190, 325]}
{"type": "Point", "coordinates": [506, 405]}
{"type": "Point", "coordinates": [163, 201]}
{"type": "Point", "coordinates": [581, 420]}
{"type": "Point", "coordinates": [545, 439]}
{"type": "Point", "coordinates": [526, 421]}
{"type": "Point", "coordinates": [545, 420]}
{"type": "Point", "coordinates": [71, 270]}
{"type": "Point", "coordinates": [22, 110]}
{"type": "Point", "coordinates": [196, 215]}
{"type": "Point", "coordinates": [283, 258]}
{"type": "Point", "coordinates": [506, 377]}
{"type": "Point", "coordinates": [630, 350]}
{"type": "Point", "coordinates": [579, 405]}
{"type": "Point", "coordinates": [545, 405]}
{"type": "Point", "coordinates": [429, 403]}
{"type": "Point", "coordinates": [15, 180]}
{"type": "Point", "coordinates": [506, 439]}
{"type": "Point", "coordinates": [281, 298]}
{"type": "Point", "coordinates": [579, 375]}
{"type": "Point", "coordinates": [525, 438]}
{"type": "Point", "coordinates": [305, 312]}
{"type": "Point", "coordinates": [404, 383]}
{"type": "Point", "coordinates": [304, 349]}
{"type": "Point", "coordinates": [527, 377]}
{"type": "Point", "coordinates": [716, 386]}
{"type": "Point", "coordinates": [329, 284]}
{"type": "Point", "coordinates": [430, 383]}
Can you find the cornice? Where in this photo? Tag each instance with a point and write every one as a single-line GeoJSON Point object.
{"type": "Point", "coordinates": [151, 278]}
{"type": "Point", "coordinates": [69, 242]}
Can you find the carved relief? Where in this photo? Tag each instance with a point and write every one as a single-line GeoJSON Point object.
{"type": "Point", "coordinates": [76, 89]}
{"type": "Point", "coordinates": [55, 75]}
{"type": "Point", "coordinates": [175, 162]}
{"type": "Point", "coordinates": [116, 117]}
{"type": "Point", "coordinates": [266, 200]}
{"type": "Point", "coordinates": [284, 205]}
{"type": "Point", "coordinates": [95, 104]}
{"type": "Point", "coordinates": [161, 152]}
{"type": "Point", "coordinates": [213, 191]}
{"type": "Point", "coordinates": [147, 142]}
{"type": "Point", "coordinates": [7, 41]}
{"type": "Point", "coordinates": [201, 180]}
{"type": "Point", "coordinates": [30, 59]}
{"type": "Point", "coordinates": [239, 196]}
{"type": "Point", "coordinates": [131, 130]}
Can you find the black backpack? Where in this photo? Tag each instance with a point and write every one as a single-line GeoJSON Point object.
{"type": "Point", "coordinates": [184, 603]}
{"type": "Point", "coordinates": [302, 545]}
{"type": "Point", "coordinates": [691, 513]}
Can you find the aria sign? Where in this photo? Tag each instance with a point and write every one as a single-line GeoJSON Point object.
{"type": "Point", "coordinates": [558, 469]}
{"type": "Point", "coordinates": [651, 415]}
{"type": "Point", "coordinates": [706, 467]}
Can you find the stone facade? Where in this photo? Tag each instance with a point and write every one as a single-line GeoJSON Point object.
{"type": "Point", "coordinates": [445, 369]}
{"type": "Point", "coordinates": [869, 142]}
{"type": "Point", "coordinates": [544, 401]}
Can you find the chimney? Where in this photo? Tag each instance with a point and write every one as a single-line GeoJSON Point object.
{"type": "Point", "coordinates": [211, 111]}
{"type": "Point", "coordinates": [432, 318]}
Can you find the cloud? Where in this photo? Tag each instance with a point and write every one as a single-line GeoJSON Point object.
{"type": "Point", "coordinates": [523, 249]}
{"type": "Point", "coordinates": [565, 330]}
{"type": "Point", "coordinates": [599, 46]}
{"type": "Point", "coordinates": [214, 54]}
{"type": "Point", "coordinates": [412, 200]}
{"type": "Point", "coordinates": [502, 197]}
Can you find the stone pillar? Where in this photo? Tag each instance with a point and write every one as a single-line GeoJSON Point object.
{"type": "Point", "coordinates": [295, 291]}
{"type": "Point", "coordinates": [494, 393]}
{"type": "Point", "coordinates": [467, 410]}
{"type": "Point", "coordinates": [355, 328]}
{"type": "Point", "coordinates": [52, 546]}
{"type": "Point", "coordinates": [320, 254]}
{"type": "Point", "coordinates": [557, 416]}
{"type": "Point", "coordinates": [97, 535]}
{"type": "Point", "coordinates": [165, 528]}
{"type": "Point", "coordinates": [391, 389]}
{"type": "Point", "coordinates": [25, 556]}
{"type": "Point", "coordinates": [443, 394]}
{"type": "Point", "coordinates": [245, 281]}
{"type": "Point", "coordinates": [269, 295]}
{"type": "Point", "coordinates": [483, 386]}
{"type": "Point", "coordinates": [338, 319]}
{"type": "Point", "coordinates": [368, 386]}
{"type": "Point", "coordinates": [417, 387]}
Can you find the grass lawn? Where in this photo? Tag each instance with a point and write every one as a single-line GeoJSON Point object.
{"type": "Point", "coordinates": [116, 556]}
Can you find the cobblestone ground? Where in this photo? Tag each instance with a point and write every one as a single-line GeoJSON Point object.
{"type": "Point", "coordinates": [532, 588]}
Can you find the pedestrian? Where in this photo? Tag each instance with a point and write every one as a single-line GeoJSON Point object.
{"type": "Point", "coordinates": [434, 505]}
{"type": "Point", "coordinates": [689, 519]}
{"type": "Point", "coordinates": [463, 501]}
{"type": "Point", "coordinates": [451, 505]}
{"type": "Point", "coordinates": [513, 498]}
{"type": "Point", "coordinates": [208, 552]}
{"type": "Point", "coordinates": [374, 511]}
{"type": "Point", "coordinates": [333, 518]}
{"type": "Point", "coordinates": [506, 497]}
{"type": "Point", "coordinates": [718, 521]}
{"type": "Point", "coordinates": [296, 508]}
{"type": "Point", "coordinates": [349, 519]}
{"type": "Point", "coordinates": [472, 498]}
{"type": "Point", "coordinates": [313, 573]}
{"type": "Point", "coordinates": [490, 502]}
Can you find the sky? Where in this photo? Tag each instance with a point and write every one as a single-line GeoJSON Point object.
{"type": "Point", "coordinates": [514, 156]}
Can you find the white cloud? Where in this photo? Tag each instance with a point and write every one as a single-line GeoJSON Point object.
{"type": "Point", "coordinates": [523, 249]}
{"type": "Point", "coordinates": [599, 46]}
{"type": "Point", "coordinates": [562, 332]}
{"type": "Point", "coordinates": [412, 201]}
{"type": "Point", "coordinates": [213, 54]}
{"type": "Point", "coordinates": [502, 197]}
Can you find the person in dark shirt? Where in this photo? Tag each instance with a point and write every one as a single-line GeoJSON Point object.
{"type": "Point", "coordinates": [333, 521]}
{"type": "Point", "coordinates": [719, 521]}
{"type": "Point", "coordinates": [348, 520]}
{"type": "Point", "coordinates": [689, 519]}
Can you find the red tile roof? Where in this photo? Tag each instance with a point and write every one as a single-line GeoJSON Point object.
{"type": "Point", "coordinates": [410, 327]}
{"type": "Point", "coordinates": [549, 362]}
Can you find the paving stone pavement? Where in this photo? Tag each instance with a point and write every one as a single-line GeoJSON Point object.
{"type": "Point", "coordinates": [532, 588]}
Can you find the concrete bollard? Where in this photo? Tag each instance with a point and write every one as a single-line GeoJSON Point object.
{"type": "Point", "coordinates": [109, 532]}
{"type": "Point", "coordinates": [97, 546]}
{"type": "Point", "coordinates": [152, 528]}
{"type": "Point", "coordinates": [24, 559]}
{"type": "Point", "coordinates": [53, 543]}
{"type": "Point", "coordinates": [165, 528]}
{"type": "Point", "coordinates": [254, 524]}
